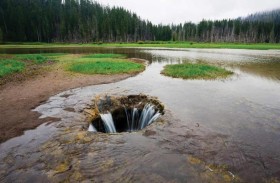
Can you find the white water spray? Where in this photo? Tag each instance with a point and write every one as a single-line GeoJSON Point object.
{"type": "Point", "coordinates": [91, 128]}
{"type": "Point", "coordinates": [108, 123]}
{"type": "Point", "coordinates": [135, 118]}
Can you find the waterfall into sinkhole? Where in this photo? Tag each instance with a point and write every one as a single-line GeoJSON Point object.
{"type": "Point", "coordinates": [116, 114]}
{"type": "Point", "coordinates": [125, 119]}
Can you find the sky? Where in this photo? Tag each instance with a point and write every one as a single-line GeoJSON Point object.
{"type": "Point", "coordinates": [180, 11]}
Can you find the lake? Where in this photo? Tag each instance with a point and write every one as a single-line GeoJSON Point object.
{"type": "Point", "coordinates": [213, 131]}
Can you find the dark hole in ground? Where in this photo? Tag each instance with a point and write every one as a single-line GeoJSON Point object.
{"type": "Point", "coordinates": [124, 114]}
{"type": "Point", "coordinates": [119, 118]}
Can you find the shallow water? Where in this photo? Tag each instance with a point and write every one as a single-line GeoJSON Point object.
{"type": "Point", "coordinates": [232, 124]}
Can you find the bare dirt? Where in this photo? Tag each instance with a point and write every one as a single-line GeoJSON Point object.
{"type": "Point", "coordinates": [18, 98]}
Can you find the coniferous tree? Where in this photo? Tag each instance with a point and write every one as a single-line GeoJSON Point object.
{"type": "Point", "coordinates": [1, 36]}
{"type": "Point", "coordinates": [88, 21]}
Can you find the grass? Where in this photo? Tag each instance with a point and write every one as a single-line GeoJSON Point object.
{"type": "Point", "coordinates": [26, 64]}
{"type": "Point", "coordinates": [105, 66]}
{"type": "Point", "coordinates": [86, 64]}
{"type": "Point", "coordinates": [195, 71]}
{"type": "Point", "coordinates": [10, 66]}
{"type": "Point", "coordinates": [201, 45]}
{"type": "Point", "coordinates": [53, 54]}
{"type": "Point", "coordinates": [38, 58]}
{"type": "Point", "coordinates": [105, 56]}
{"type": "Point", "coordinates": [35, 58]}
{"type": "Point", "coordinates": [154, 44]}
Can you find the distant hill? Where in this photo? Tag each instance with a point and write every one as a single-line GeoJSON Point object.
{"type": "Point", "coordinates": [86, 21]}
{"type": "Point", "coordinates": [267, 16]}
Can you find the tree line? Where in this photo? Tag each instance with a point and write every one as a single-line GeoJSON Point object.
{"type": "Point", "coordinates": [88, 21]}
{"type": "Point", "coordinates": [255, 28]}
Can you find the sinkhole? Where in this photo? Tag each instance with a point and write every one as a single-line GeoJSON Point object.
{"type": "Point", "coordinates": [131, 113]}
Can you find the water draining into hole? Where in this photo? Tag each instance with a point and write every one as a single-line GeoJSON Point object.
{"type": "Point", "coordinates": [108, 123]}
{"type": "Point", "coordinates": [91, 128]}
{"type": "Point", "coordinates": [147, 116]}
{"type": "Point", "coordinates": [136, 119]}
{"type": "Point", "coordinates": [125, 114]}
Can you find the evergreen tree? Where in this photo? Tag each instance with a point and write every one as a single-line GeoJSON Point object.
{"type": "Point", "coordinates": [1, 36]}
{"type": "Point", "coordinates": [88, 21]}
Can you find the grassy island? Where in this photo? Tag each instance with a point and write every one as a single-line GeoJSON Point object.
{"type": "Point", "coordinates": [195, 71]}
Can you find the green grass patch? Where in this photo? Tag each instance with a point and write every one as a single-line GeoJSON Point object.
{"type": "Point", "coordinates": [105, 66]}
{"type": "Point", "coordinates": [105, 56]}
{"type": "Point", "coordinates": [170, 44]}
{"type": "Point", "coordinates": [10, 66]}
{"type": "Point", "coordinates": [36, 58]}
{"type": "Point", "coordinates": [195, 71]}
{"type": "Point", "coordinates": [153, 44]}
{"type": "Point", "coordinates": [53, 54]}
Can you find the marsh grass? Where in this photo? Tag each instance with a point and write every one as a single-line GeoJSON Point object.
{"type": "Point", "coordinates": [161, 44]}
{"type": "Point", "coordinates": [25, 64]}
{"type": "Point", "coordinates": [35, 58]}
{"type": "Point", "coordinates": [105, 66]}
{"type": "Point", "coordinates": [195, 71]}
{"type": "Point", "coordinates": [174, 44]}
{"type": "Point", "coordinates": [10, 66]}
{"type": "Point", "coordinates": [109, 55]}
{"type": "Point", "coordinates": [53, 54]}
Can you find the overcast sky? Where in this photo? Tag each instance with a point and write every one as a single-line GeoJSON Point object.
{"type": "Point", "coordinates": [180, 11]}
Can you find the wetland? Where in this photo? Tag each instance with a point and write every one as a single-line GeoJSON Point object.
{"type": "Point", "coordinates": [222, 130]}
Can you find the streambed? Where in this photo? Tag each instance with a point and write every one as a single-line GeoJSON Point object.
{"type": "Point", "coordinates": [213, 131]}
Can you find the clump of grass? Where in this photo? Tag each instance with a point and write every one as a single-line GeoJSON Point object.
{"type": "Point", "coordinates": [108, 55]}
{"type": "Point", "coordinates": [195, 71]}
{"type": "Point", "coordinates": [10, 66]}
{"type": "Point", "coordinates": [36, 58]}
{"type": "Point", "coordinates": [105, 66]}
{"type": "Point", "coordinates": [53, 54]}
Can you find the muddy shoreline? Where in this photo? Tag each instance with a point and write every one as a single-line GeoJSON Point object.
{"type": "Point", "coordinates": [19, 98]}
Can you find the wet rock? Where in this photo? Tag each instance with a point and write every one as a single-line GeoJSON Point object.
{"type": "Point", "coordinates": [63, 167]}
{"type": "Point", "coordinates": [103, 104]}
{"type": "Point", "coordinates": [69, 109]}
{"type": "Point", "coordinates": [149, 133]}
{"type": "Point", "coordinates": [66, 95]}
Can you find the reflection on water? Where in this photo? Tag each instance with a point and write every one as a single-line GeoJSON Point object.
{"type": "Point", "coordinates": [234, 122]}
{"type": "Point", "coordinates": [268, 70]}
